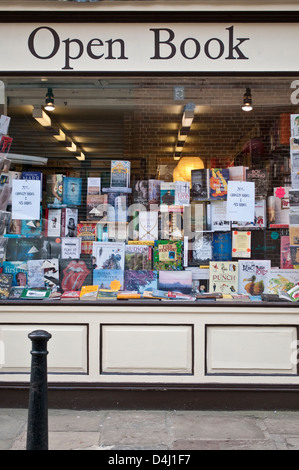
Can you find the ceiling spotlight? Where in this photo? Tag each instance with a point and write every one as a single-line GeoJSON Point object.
{"type": "Point", "coordinates": [49, 106]}
{"type": "Point", "coordinates": [247, 100]}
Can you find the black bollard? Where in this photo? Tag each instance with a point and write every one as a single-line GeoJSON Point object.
{"type": "Point", "coordinates": [37, 427]}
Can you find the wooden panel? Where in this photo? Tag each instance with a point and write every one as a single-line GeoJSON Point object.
{"type": "Point", "coordinates": [67, 348]}
{"type": "Point", "coordinates": [147, 349]}
{"type": "Point", "coordinates": [251, 350]}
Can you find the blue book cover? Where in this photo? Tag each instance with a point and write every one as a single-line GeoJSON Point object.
{"type": "Point", "coordinates": [31, 228]}
{"type": "Point", "coordinates": [72, 191]}
{"type": "Point", "coordinates": [222, 246]}
{"type": "Point", "coordinates": [19, 270]}
{"type": "Point", "coordinates": [141, 280]}
{"type": "Point", "coordinates": [104, 277]}
{"type": "Point", "coordinates": [34, 175]}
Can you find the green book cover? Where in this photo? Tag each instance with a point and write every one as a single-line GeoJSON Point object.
{"type": "Point", "coordinates": [168, 255]}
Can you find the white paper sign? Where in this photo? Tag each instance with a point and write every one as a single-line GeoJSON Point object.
{"type": "Point", "coordinates": [240, 201]}
{"type": "Point", "coordinates": [26, 199]}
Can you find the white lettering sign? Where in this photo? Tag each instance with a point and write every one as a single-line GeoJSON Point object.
{"type": "Point", "coordinates": [240, 201]}
{"type": "Point", "coordinates": [26, 199]}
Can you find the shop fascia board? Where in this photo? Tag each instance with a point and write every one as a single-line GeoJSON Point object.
{"type": "Point", "coordinates": [149, 5]}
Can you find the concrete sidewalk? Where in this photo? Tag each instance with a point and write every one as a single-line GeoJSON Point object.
{"type": "Point", "coordinates": [157, 430]}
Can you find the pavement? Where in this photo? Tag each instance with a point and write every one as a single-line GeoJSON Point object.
{"type": "Point", "coordinates": [155, 430]}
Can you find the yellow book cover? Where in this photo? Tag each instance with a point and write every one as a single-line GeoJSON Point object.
{"type": "Point", "coordinates": [89, 292]}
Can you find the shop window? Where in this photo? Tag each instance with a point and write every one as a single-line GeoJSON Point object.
{"type": "Point", "coordinates": [153, 188]}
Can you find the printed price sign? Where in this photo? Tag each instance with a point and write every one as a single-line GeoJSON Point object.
{"type": "Point", "coordinates": [26, 199]}
{"type": "Point", "coordinates": [240, 201]}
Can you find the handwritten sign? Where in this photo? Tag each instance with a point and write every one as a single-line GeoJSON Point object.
{"type": "Point", "coordinates": [26, 199]}
{"type": "Point", "coordinates": [240, 201]}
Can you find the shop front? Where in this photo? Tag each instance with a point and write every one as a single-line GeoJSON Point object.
{"type": "Point", "coordinates": [150, 215]}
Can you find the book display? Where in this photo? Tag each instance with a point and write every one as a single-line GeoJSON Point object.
{"type": "Point", "coordinates": [226, 233]}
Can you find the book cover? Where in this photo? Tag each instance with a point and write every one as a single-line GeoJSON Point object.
{"type": "Point", "coordinates": [96, 207]}
{"type": "Point", "coordinates": [199, 185]}
{"type": "Point", "coordinates": [260, 178]}
{"type": "Point", "coordinates": [140, 280]}
{"type": "Point", "coordinates": [241, 244]}
{"type": "Point", "coordinates": [69, 221]}
{"type": "Point", "coordinates": [53, 222]}
{"type": "Point", "coordinates": [15, 227]}
{"type": "Point", "coordinates": [260, 216]}
{"type": "Point", "coordinates": [107, 294]}
{"type": "Point", "coordinates": [237, 173]}
{"type": "Point", "coordinates": [140, 193]}
{"type": "Point", "coordinates": [70, 295]}
{"type": "Point", "coordinates": [35, 273]}
{"type": "Point", "coordinates": [5, 222]}
{"type": "Point", "coordinates": [87, 232]}
{"type": "Point", "coordinates": [148, 225]}
{"type": "Point", "coordinates": [70, 247]}
{"type": "Point", "coordinates": [120, 174]}
{"type": "Point", "coordinates": [54, 189]}
{"type": "Point", "coordinates": [294, 249]}
{"type": "Point", "coordinates": [294, 235]}
{"type": "Point", "coordinates": [51, 274]}
{"type": "Point", "coordinates": [26, 249]}
{"type": "Point", "coordinates": [89, 292]}
{"type": "Point", "coordinates": [201, 248]}
{"type": "Point", "coordinates": [110, 255]}
{"type": "Point", "coordinates": [109, 279]}
{"type": "Point", "coordinates": [294, 197]}
{"type": "Point", "coordinates": [36, 176]}
{"type": "Point", "coordinates": [222, 246]}
{"type": "Point", "coordinates": [72, 191]}
{"type": "Point", "coordinates": [31, 228]}
{"type": "Point", "coordinates": [51, 248]}
{"type": "Point", "coordinates": [177, 281]}
{"type": "Point", "coordinates": [182, 193]}
{"type": "Point", "coordinates": [75, 273]}
{"type": "Point", "coordinates": [253, 276]}
{"type": "Point", "coordinates": [154, 187]}
{"type": "Point", "coordinates": [5, 144]}
{"type": "Point", "coordinates": [19, 271]}
{"type": "Point", "coordinates": [224, 277]}
{"type": "Point", "coordinates": [138, 257]}
{"type": "Point", "coordinates": [3, 245]}
{"type": "Point", "coordinates": [282, 280]}
{"type": "Point", "coordinates": [117, 207]}
{"type": "Point", "coordinates": [93, 186]}
{"type": "Point", "coordinates": [218, 179]}
{"type": "Point", "coordinates": [36, 293]}
{"type": "Point", "coordinates": [5, 285]}
{"type": "Point", "coordinates": [167, 194]}
{"type": "Point", "coordinates": [168, 255]}
{"type": "Point", "coordinates": [285, 253]}
{"type": "Point", "coordinates": [218, 216]}
{"type": "Point", "coordinates": [282, 205]}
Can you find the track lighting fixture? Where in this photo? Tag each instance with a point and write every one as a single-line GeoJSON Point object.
{"type": "Point", "coordinates": [49, 106]}
{"type": "Point", "coordinates": [247, 100]}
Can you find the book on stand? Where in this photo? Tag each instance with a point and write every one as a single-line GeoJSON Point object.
{"type": "Point", "coordinates": [69, 222]}
{"type": "Point", "coordinates": [218, 179]}
{"type": "Point", "coordinates": [54, 189]}
{"type": "Point", "coordinates": [138, 257]}
{"type": "Point", "coordinates": [168, 255]}
{"type": "Point", "coordinates": [120, 174]}
{"type": "Point", "coordinates": [75, 273]}
{"type": "Point", "coordinates": [260, 178]}
{"type": "Point", "coordinates": [72, 191]}
{"type": "Point", "coordinates": [87, 232]}
{"type": "Point", "coordinates": [110, 255]}
{"type": "Point", "coordinates": [112, 279]}
{"type": "Point", "coordinates": [140, 280]}
{"type": "Point", "coordinates": [200, 189]}
{"type": "Point", "coordinates": [224, 277]}
{"type": "Point", "coordinates": [253, 276]}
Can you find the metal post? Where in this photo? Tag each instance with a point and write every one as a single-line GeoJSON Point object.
{"type": "Point", "coordinates": [37, 427]}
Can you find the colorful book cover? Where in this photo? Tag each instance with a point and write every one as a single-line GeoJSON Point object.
{"type": "Point", "coordinates": [5, 285]}
{"type": "Point", "coordinates": [109, 279]}
{"type": "Point", "coordinates": [70, 247]}
{"type": "Point", "coordinates": [201, 248]}
{"type": "Point", "coordinates": [282, 279]}
{"type": "Point", "coordinates": [138, 257]}
{"type": "Point", "coordinates": [110, 255]}
{"type": "Point", "coordinates": [222, 246]}
{"type": "Point", "coordinates": [218, 179]}
{"type": "Point", "coordinates": [70, 295]}
{"type": "Point", "coordinates": [36, 176]}
{"type": "Point", "coordinates": [140, 280]}
{"type": "Point", "coordinates": [19, 271]}
{"type": "Point", "coordinates": [87, 231]}
{"type": "Point", "coordinates": [224, 277]}
{"type": "Point", "coordinates": [89, 292]}
{"type": "Point", "coordinates": [43, 273]}
{"type": "Point", "coordinates": [168, 255]}
{"type": "Point", "coordinates": [282, 205]}
{"type": "Point", "coordinates": [260, 178]}
{"type": "Point", "coordinates": [72, 191]}
{"type": "Point", "coordinates": [54, 189]}
{"type": "Point", "coordinates": [199, 185]}
{"type": "Point", "coordinates": [96, 206]}
{"type": "Point", "coordinates": [36, 293]}
{"type": "Point", "coordinates": [294, 250]}
{"type": "Point", "coordinates": [107, 294]}
{"type": "Point", "coordinates": [27, 248]}
{"type": "Point", "coordinates": [176, 281]}
{"type": "Point", "coordinates": [69, 221]}
{"type": "Point", "coordinates": [253, 276]}
{"type": "Point", "coordinates": [75, 273]}
{"type": "Point", "coordinates": [31, 228]}
{"type": "Point", "coordinates": [120, 174]}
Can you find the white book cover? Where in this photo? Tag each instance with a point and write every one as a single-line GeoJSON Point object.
{"type": "Point", "coordinates": [93, 185]}
{"type": "Point", "coordinates": [282, 205]}
{"type": "Point", "coordinates": [54, 223]}
{"type": "Point", "coordinates": [108, 255]}
{"type": "Point", "coordinates": [182, 193]}
{"type": "Point", "coordinates": [282, 279]}
{"type": "Point", "coordinates": [237, 173]}
{"type": "Point", "coordinates": [70, 247]}
{"type": "Point", "coordinates": [218, 217]}
{"type": "Point", "coordinates": [260, 216]}
{"type": "Point", "coordinates": [253, 276]}
{"type": "Point", "coordinates": [148, 225]}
